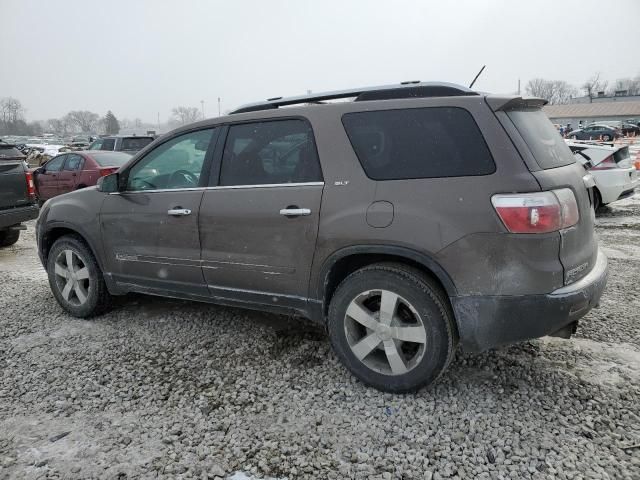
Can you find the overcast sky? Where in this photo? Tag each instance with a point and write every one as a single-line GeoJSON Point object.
{"type": "Point", "coordinates": [140, 58]}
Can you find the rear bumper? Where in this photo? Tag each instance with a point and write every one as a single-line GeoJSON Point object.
{"type": "Point", "coordinates": [489, 321]}
{"type": "Point", "coordinates": [14, 216]}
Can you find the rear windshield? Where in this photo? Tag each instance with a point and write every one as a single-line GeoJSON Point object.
{"type": "Point", "coordinates": [621, 155]}
{"type": "Point", "coordinates": [114, 159]}
{"type": "Point", "coordinates": [418, 143]}
{"type": "Point", "coordinates": [10, 152]}
{"type": "Point", "coordinates": [542, 138]}
{"type": "Point", "coordinates": [137, 143]}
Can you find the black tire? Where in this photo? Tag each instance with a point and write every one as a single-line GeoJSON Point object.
{"type": "Point", "coordinates": [9, 237]}
{"type": "Point", "coordinates": [606, 138]}
{"type": "Point", "coordinates": [425, 297]}
{"type": "Point", "coordinates": [97, 297]}
{"type": "Point", "coordinates": [597, 200]}
{"type": "Point", "coordinates": [573, 137]}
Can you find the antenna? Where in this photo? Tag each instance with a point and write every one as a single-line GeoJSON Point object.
{"type": "Point", "coordinates": [476, 77]}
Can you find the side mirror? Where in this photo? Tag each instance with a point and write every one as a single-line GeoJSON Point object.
{"type": "Point", "coordinates": [108, 184]}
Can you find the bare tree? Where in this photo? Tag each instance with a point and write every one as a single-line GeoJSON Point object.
{"type": "Point", "coordinates": [184, 115]}
{"type": "Point", "coordinates": [554, 91]}
{"type": "Point", "coordinates": [86, 121]}
{"type": "Point", "coordinates": [11, 110]}
{"type": "Point", "coordinates": [593, 86]}
{"type": "Point", "coordinates": [630, 85]}
{"type": "Point", "coordinates": [57, 125]}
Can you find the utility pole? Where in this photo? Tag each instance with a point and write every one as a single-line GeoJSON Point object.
{"type": "Point", "coordinates": [218, 106]}
{"type": "Point", "coordinates": [518, 86]}
{"type": "Point", "coordinates": [158, 123]}
{"type": "Point", "coordinates": [202, 103]}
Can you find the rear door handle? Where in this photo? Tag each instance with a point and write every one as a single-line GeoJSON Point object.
{"type": "Point", "coordinates": [295, 212]}
{"type": "Point", "coordinates": [179, 212]}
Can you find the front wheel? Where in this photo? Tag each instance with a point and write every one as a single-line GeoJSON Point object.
{"type": "Point", "coordinates": [75, 278]}
{"type": "Point", "coordinates": [606, 138]}
{"type": "Point", "coordinates": [392, 327]}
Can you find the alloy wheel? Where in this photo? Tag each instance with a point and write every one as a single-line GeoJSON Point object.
{"type": "Point", "coordinates": [72, 277]}
{"type": "Point", "coordinates": [385, 332]}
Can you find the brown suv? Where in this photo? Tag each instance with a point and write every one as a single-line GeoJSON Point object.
{"type": "Point", "coordinates": [409, 220]}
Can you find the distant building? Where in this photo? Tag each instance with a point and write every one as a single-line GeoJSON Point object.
{"type": "Point", "coordinates": [620, 96]}
{"type": "Point", "coordinates": [613, 109]}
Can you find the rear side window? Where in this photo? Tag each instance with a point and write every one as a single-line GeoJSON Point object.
{"type": "Point", "coordinates": [273, 152]}
{"type": "Point", "coordinates": [136, 143]}
{"type": "Point", "coordinates": [418, 143]}
{"type": "Point", "coordinates": [542, 138]}
{"type": "Point", "coordinates": [108, 144]}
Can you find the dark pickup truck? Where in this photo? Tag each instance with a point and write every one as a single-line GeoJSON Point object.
{"type": "Point", "coordinates": [17, 194]}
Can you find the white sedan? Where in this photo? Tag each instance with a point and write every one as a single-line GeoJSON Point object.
{"type": "Point", "coordinates": [612, 168]}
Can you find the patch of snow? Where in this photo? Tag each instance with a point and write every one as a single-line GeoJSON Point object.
{"type": "Point", "coordinates": [244, 476]}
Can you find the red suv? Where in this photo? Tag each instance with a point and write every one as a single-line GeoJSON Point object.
{"type": "Point", "coordinates": [72, 171]}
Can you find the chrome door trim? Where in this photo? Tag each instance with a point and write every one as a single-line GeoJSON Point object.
{"type": "Point", "coordinates": [226, 187]}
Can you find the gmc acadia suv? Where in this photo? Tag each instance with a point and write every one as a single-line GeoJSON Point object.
{"type": "Point", "coordinates": [409, 220]}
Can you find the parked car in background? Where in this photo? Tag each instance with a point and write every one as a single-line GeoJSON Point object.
{"type": "Point", "coordinates": [415, 218]}
{"type": "Point", "coordinates": [17, 194]}
{"type": "Point", "coordinates": [595, 132]}
{"type": "Point", "coordinates": [612, 168]}
{"type": "Point", "coordinates": [630, 129]}
{"type": "Point", "coordinates": [72, 171]}
{"type": "Point", "coordinates": [118, 143]}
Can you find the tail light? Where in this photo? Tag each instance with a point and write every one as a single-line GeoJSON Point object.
{"type": "Point", "coordinates": [31, 187]}
{"type": "Point", "coordinates": [607, 164]}
{"type": "Point", "coordinates": [108, 171]}
{"type": "Point", "coordinates": [540, 212]}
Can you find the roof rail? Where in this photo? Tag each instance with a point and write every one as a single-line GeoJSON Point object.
{"type": "Point", "coordinates": [412, 89]}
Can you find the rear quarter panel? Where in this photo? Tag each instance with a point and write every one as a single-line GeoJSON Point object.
{"type": "Point", "coordinates": [432, 216]}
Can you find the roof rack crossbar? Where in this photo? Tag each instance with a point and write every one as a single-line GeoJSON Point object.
{"type": "Point", "coordinates": [403, 90]}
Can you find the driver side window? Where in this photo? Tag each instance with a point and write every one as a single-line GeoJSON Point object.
{"type": "Point", "coordinates": [173, 164]}
{"type": "Point", "coordinates": [55, 164]}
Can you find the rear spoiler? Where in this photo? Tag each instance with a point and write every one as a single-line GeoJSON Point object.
{"type": "Point", "coordinates": [506, 103]}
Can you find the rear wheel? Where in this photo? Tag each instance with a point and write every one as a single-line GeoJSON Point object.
{"type": "Point", "coordinates": [9, 237]}
{"type": "Point", "coordinates": [392, 327]}
{"type": "Point", "coordinates": [75, 278]}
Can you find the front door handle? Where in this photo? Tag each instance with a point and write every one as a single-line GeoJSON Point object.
{"type": "Point", "coordinates": [295, 212]}
{"type": "Point", "coordinates": [179, 212]}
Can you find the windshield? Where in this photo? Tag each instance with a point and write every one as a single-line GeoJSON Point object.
{"type": "Point", "coordinates": [114, 159]}
{"type": "Point", "coordinates": [542, 138]}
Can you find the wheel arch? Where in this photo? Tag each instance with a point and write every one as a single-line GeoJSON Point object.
{"type": "Point", "coordinates": [349, 259]}
{"type": "Point", "coordinates": [58, 230]}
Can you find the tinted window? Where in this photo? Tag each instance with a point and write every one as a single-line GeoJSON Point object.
{"type": "Point", "coordinates": [176, 163]}
{"type": "Point", "coordinates": [55, 164]}
{"type": "Point", "coordinates": [115, 159]}
{"type": "Point", "coordinates": [74, 162]}
{"type": "Point", "coordinates": [418, 143]}
{"type": "Point", "coordinates": [136, 143]}
{"type": "Point", "coordinates": [273, 152]}
{"type": "Point", "coordinates": [108, 144]}
{"type": "Point", "coordinates": [544, 141]}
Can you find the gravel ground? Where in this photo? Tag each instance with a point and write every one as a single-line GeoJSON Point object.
{"type": "Point", "coordinates": [167, 389]}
